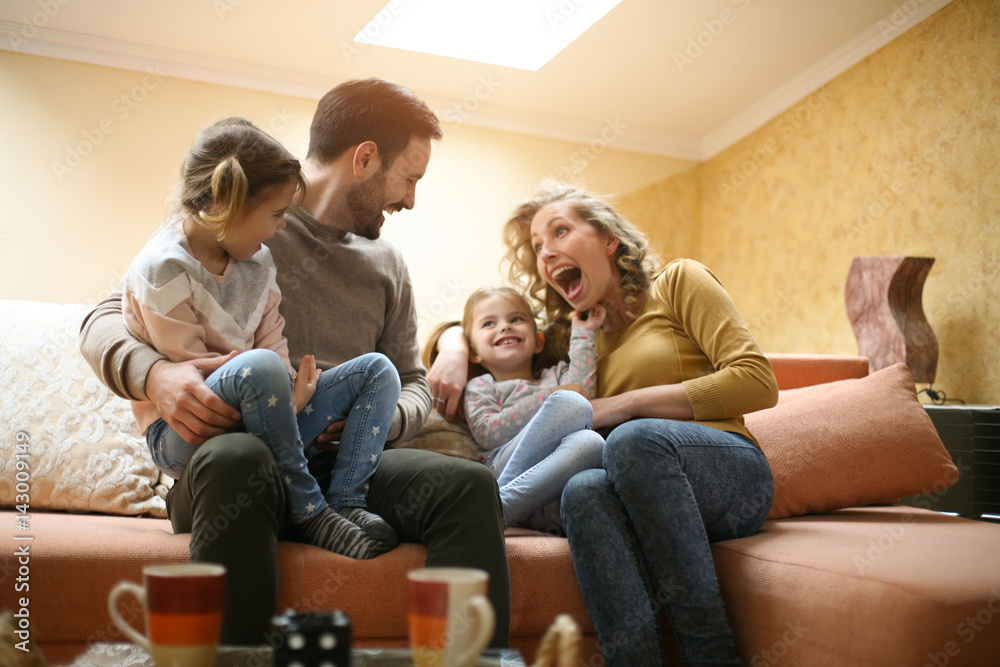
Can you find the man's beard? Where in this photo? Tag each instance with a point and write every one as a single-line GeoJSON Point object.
{"type": "Point", "coordinates": [364, 201]}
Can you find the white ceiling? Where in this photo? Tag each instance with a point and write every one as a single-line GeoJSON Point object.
{"type": "Point", "coordinates": [680, 78]}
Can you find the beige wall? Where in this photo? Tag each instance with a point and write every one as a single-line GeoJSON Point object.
{"type": "Point", "coordinates": [91, 157]}
{"type": "Point", "coordinates": [897, 156]}
{"type": "Point", "coordinates": [92, 153]}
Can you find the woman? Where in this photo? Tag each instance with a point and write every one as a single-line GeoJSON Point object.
{"type": "Point", "coordinates": [676, 370]}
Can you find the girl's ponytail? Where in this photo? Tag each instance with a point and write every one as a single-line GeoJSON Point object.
{"type": "Point", "coordinates": [228, 190]}
{"type": "Point", "coordinates": [233, 165]}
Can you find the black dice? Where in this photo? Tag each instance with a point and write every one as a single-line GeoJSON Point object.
{"type": "Point", "coordinates": [311, 639]}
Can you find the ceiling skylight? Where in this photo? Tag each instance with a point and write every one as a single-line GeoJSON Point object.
{"type": "Point", "coordinates": [524, 34]}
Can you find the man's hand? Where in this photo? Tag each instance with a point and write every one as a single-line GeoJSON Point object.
{"type": "Point", "coordinates": [186, 403]}
{"type": "Point", "coordinates": [449, 373]}
{"type": "Point", "coordinates": [329, 440]}
{"type": "Point", "coordinates": [305, 382]}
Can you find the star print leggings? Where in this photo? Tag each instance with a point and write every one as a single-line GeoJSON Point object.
{"type": "Point", "coordinates": [364, 391]}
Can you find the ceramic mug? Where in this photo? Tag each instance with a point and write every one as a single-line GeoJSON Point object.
{"type": "Point", "coordinates": [183, 606]}
{"type": "Point", "coordinates": [449, 616]}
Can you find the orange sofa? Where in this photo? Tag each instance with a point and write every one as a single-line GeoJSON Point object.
{"type": "Point", "coordinates": [872, 584]}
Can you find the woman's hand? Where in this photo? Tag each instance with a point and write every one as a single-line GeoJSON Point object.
{"type": "Point", "coordinates": [666, 401]}
{"type": "Point", "coordinates": [578, 388]}
{"type": "Point", "coordinates": [610, 411]}
{"type": "Point", "coordinates": [305, 382]}
{"type": "Point", "coordinates": [449, 373]}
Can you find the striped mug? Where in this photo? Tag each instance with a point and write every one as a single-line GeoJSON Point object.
{"type": "Point", "coordinates": [183, 606]}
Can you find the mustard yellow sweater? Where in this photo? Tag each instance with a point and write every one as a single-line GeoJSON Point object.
{"type": "Point", "coordinates": [689, 331]}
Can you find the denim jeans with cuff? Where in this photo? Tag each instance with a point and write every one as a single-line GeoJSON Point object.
{"type": "Point", "coordinates": [533, 467]}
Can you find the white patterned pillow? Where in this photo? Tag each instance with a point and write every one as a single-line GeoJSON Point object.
{"type": "Point", "coordinates": [79, 441]}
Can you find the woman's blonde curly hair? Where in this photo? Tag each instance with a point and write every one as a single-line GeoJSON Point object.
{"type": "Point", "coordinates": [636, 262]}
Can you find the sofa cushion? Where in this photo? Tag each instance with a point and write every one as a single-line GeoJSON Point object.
{"type": "Point", "coordinates": [444, 437]}
{"type": "Point", "coordinates": [802, 370]}
{"type": "Point", "coordinates": [850, 443]}
{"type": "Point", "coordinates": [865, 586]}
{"type": "Point", "coordinates": [78, 441]}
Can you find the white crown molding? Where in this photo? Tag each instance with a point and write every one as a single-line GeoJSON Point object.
{"type": "Point", "coordinates": [168, 62]}
{"type": "Point", "coordinates": [787, 95]}
{"type": "Point", "coordinates": [230, 72]}
{"type": "Point", "coordinates": [40, 41]}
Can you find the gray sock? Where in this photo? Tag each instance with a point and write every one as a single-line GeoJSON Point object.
{"type": "Point", "coordinates": [332, 532]}
{"type": "Point", "coordinates": [374, 525]}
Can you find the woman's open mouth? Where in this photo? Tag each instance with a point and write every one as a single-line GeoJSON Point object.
{"type": "Point", "coordinates": [568, 279]}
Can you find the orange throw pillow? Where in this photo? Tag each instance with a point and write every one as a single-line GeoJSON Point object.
{"type": "Point", "coordinates": [851, 443]}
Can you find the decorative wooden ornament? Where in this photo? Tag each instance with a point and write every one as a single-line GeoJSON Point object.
{"type": "Point", "coordinates": [883, 296]}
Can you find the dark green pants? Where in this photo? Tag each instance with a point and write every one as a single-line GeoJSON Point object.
{"type": "Point", "coordinates": [232, 501]}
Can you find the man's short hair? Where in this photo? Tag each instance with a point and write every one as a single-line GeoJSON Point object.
{"type": "Point", "coordinates": [369, 110]}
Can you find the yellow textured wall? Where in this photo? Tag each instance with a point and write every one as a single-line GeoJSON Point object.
{"type": "Point", "coordinates": [675, 206]}
{"type": "Point", "coordinates": [896, 156]}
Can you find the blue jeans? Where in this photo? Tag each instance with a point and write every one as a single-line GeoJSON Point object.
{"type": "Point", "coordinates": [557, 443]}
{"type": "Point", "coordinates": [364, 390]}
{"type": "Point", "coordinates": [639, 532]}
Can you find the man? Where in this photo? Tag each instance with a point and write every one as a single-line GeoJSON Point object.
{"type": "Point", "coordinates": [344, 293]}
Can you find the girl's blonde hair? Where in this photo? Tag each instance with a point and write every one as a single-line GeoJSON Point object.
{"type": "Point", "coordinates": [232, 165]}
{"type": "Point", "coordinates": [635, 260]}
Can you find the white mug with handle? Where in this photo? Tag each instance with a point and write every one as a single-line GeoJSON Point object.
{"type": "Point", "coordinates": [449, 616]}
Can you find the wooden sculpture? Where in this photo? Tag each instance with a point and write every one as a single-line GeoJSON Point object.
{"type": "Point", "coordinates": [883, 304]}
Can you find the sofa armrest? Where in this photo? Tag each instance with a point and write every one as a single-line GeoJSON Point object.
{"type": "Point", "coordinates": [803, 370]}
